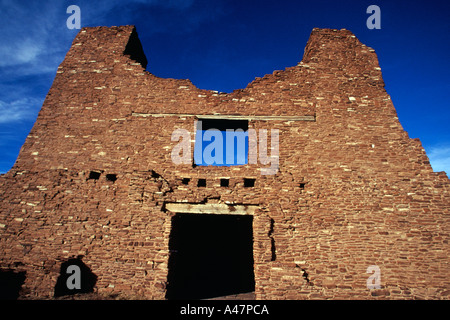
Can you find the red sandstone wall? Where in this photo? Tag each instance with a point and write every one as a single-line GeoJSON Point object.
{"type": "Point", "coordinates": [370, 195]}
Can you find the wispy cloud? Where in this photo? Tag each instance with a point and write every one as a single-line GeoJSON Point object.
{"type": "Point", "coordinates": [19, 110]}
{"type": "Point", "coordinates": [19, 52]}
{"type": "Point", "coordinates": [30, 33]}
{"type": "Point", "coordinates": [440, 158]}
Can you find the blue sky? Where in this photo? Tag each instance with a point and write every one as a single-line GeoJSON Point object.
{"type": "Point", "coordinates": [223, 45]}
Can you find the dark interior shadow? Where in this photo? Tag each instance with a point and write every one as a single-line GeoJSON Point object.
{"type": "Point", "coordinates": [211, 256]}
{"type": "Point", "coordinates": [87, 279]}
{"type": "Point", "coordinates": [10, 284]}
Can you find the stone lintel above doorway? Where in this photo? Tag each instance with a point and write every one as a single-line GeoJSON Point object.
{"type": "Point", "coordinates": [211, 208]}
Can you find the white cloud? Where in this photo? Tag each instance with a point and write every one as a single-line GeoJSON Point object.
{"type": "Point", "coordinates": [19, 110]}
{"type": "Point", "coordinates": [440, 158]}
{"type": "Point", "coordinates": [30, 34]}
{"type": "Point", "coordinates": [19, 52]}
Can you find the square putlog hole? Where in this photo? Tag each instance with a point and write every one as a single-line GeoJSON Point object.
{"type": "Point", "coordinates": [94, 175]}
{"type": "Point", "coordinates": [249, 183]}
{"type": "Point", "coordinates": [111, 177]}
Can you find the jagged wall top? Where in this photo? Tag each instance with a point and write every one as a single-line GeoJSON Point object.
{"type": "Point", "coordinates": [93, 43]}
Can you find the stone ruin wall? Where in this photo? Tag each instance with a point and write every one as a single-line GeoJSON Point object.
{"type": "Point", "coordinates": [352, 190]}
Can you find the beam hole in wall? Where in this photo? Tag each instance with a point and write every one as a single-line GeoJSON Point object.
{"type": "Point", "coordinates": [111, 177]}
{"type": "Point", "coordinates": [94, 175]}
{"type": "Point", "coordinates": [211, 256]}
{"type": "Point", "coordinates": [201, 183]}
{"type": "Point", "coordinates": [185, 181]}
{"type": "Point", "coordinates": [249, 183]}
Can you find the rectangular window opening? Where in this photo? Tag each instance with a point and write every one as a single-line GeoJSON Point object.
{"type": "Point", "coordinates": [185, 181]}
{"type": "Point", "coordinates": [220, 142]}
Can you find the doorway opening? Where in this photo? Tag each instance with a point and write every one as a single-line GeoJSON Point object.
{"type": "Point", "coordinates": [11, 284]}
{"type": "Point", "coordinates": [211, 255]}
{"type": "Point", "coordinates": [75, 271]}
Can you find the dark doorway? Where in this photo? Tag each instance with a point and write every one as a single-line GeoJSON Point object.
{"type": "Point", "coordinates": [11, 283]}
{"type": "Point", "coordinates": [87, 279]}
{"type": "Point", "coordinates": [211, 256]}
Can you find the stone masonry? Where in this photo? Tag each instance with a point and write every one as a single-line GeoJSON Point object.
{"type": "Point", "coordinates": [95, 178]}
